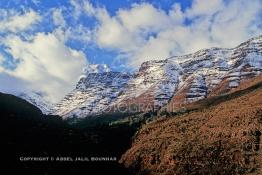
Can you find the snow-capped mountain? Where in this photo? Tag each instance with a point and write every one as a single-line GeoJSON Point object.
{"type": "Point", "coordinates": [97, 88]}
{"type": "Point", "coordinates": [176, 80]}
{"type": "Point", "coordinates": [37, 99]}
{"type": "Point", "coordinates": [152, 86]}
{"type": "Point", "coordinates": [215, 71]}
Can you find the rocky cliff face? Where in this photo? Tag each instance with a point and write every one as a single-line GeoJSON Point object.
{"type": "Point", "coordinates": [211, 70]}
{"type": "Point", "coordinates": [94, 92]}
{"type": "Point", "coordinates": [173, 82]}
{"type": "Point", "coordinates": [152, 86]}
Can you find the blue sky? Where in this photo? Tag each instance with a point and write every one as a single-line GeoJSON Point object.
{"type": "Point", "coordinates": [45, 43]}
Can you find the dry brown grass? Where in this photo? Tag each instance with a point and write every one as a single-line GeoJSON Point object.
{"type": "Point", "coordinates": [224, 138]}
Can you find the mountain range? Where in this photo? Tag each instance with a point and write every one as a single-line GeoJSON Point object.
{"type": "Point", "coordinates": [169, 83]}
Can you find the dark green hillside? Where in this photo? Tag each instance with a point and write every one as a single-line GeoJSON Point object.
{"type": "Point", "coordinates": [22, 108]}
{"type": "Point", "coordinates": [25, 131]}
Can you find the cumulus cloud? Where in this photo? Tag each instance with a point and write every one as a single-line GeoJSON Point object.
{"type": "Point", "coordinates": [45, 63]}
{"type": "Point", "coordinates": [13, 21]}
{"type": "Point", "coordinates": [144, 32]}
{"type": "Point", "coordinates": [40, 62]}
{"type": "Point", "coordinates": [67, 32]}
{"type": "Point", "coordinates": [129, 29]}
{"type": "Point", "coordinates": [205, 7]}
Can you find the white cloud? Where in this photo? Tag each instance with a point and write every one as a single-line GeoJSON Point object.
{"type": "Point", "coordinates": [1, 59]}
{"type": "Point", "coordinates": [144, 32]}
{"type": "Point", "coordinates": [12, 21]}
{"type": "Point", "coordinates": [78, 33]}
{"type": "Point", "coordinates": [205, 7]}
{"type": "Point", "coordinates": [58, 17]}
{"type": "Point", "coordinates": [66, 32]}
{"type": "Point", "coordinates": [78, 8]}
{"type": "Point", "coordinates": [82, 6]}
{"type": "Point", "coordinates": [88, 8]}
{"type": "Point", "coordinates": [111, 34]}
{"type": "Point", "coordinates": [36, 2]}
{"type": "Point", "coordinates": [143, 18]}
{"type": "Point", "coordinates": [46, 63]}
{"type": "Point", "coordinates": [238, 21]}
{"type": "Point", "coordinates": [129, 29]}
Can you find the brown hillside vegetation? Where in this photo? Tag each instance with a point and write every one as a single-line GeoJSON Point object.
{"type": "Point", "coordinates": [222, 138]}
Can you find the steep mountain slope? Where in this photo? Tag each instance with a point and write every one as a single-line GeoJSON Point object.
{"type": "Point", "coordinates": [219, 71]}
{"type": "Point", "coordinates": [222, 137]}
{"type": "Point", "coordinates": [181, 80]}
{"type": "Point", "coordinates": [152, 86]}
{"type": "Point", "coordinates": [38, 100]}
{"type": "Point", "coordinates": [96, 89]}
